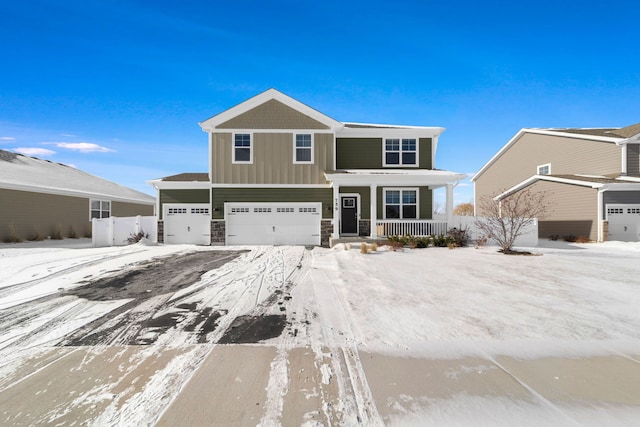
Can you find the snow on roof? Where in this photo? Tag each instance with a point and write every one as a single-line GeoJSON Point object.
{"type": "Point", "coordinates": [24, 173]}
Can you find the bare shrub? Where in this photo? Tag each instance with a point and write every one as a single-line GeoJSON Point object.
{"type": "Point", "coordinates": [511, 215]}
{"type": "Point", "coordinates": [136, 237]}
{"type": "Point", "coordinates": [57, 233]}
{"type": "Point", "coordinates": [12, 237]}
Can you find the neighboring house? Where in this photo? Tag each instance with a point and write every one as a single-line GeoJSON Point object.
{"type": "Point", "coordinates": [281, 172]}
{"type": "Point", "coordinates": [40, 199]}
{"type": "Point", "coordinates": [591, 176]}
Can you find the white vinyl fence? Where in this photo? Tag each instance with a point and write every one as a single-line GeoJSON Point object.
{"type": "Point", "coordinates": [528, 238]}
{"type": "Point", "coordinates": [116, 231]}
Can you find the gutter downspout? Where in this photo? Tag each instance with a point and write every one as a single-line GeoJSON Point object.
{"type": "Point", "coordinates": [600, 214]}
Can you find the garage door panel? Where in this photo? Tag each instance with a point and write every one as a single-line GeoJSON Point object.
{"type": "Point", "coordinates": [624, 222]}
{"type": "Point", "coordinates": [273, 223]}
{"type": "Point", "coordinates": [187, 224]}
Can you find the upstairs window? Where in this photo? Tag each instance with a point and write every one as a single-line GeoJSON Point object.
{"type": "Point", "coordinates": [303, 148]}
{"type": "Point", "coordinates": [401, 204]}
{"type": "Point", "coordinates": [544, 169]}
{"type": "Point", "coordinates": [400, 152]}
{"type": "Point", "coordinates": [242, 148]}
{"type": "Point", "coordinates": [100, 209]}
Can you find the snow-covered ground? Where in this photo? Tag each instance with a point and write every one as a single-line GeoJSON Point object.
{"type": "Point", "coordinates": [467, 310]}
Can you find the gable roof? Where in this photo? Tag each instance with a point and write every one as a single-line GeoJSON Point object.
{"type": "Point", "coordinates": [607, 135]}
{"type": "Point", "coordinates": [266, 102]}
{"type": "Point", "coordinates": [188, 177]}
{"type": "Point", "coordinates": [25, 173]}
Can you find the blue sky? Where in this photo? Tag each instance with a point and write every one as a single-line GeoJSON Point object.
{"type": "Point", "coordinates": [117, 88]}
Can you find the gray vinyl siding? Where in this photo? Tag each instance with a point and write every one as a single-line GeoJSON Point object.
{"type": "Point", "coordinates": [619, 197]}
{"type": "Point", "coordinates": [183, 196]}
{"type": "Point", "coordinates": [272, 114]}
{"type": "Point", "coordinates": [633, 159]}
{"type": "Point", "coordinates": [121, 209]}
{"type": "Point", "coordinates": [366, 153]}
{"type": "Point", "coordinates": [566, 156]}
{"type": "Point", "coordinates": [574, 210]}
{"type": "Point", "coordinates": [272, 160]}
{"type": "Point", "coordinates": [25, 214]}
{"type": "Point", "coordinates": [222, 195]}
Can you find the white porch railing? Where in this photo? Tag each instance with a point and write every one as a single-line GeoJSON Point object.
{"type": "Point", "coordinates": [412, 227]}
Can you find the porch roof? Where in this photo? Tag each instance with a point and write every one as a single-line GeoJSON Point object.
{"type": "Point", "coordinates": [433, 178]}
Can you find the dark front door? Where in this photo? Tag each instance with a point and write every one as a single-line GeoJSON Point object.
{"type": "Point", "coordinates": [349, 216]}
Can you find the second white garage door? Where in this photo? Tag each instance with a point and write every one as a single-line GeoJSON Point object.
{"type": "Point", "coordinates": [273, 223]}
{"type": "Point", "coordinates": [624, 222]}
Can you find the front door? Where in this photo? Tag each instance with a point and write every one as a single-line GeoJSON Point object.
{"type": "Point", "coordinates": [349, 216]}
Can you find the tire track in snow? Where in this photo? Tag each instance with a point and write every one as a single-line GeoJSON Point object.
{"type": "Point", "coordinates": [366, 411]}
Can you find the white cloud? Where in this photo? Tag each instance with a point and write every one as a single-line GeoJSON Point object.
{"type": "Point", "coordinates": [83, 147]}
{"type": "Point", "coordinates": [68, 135]}
{"type": "Point", "coordinates": [7, 139]}
{"type": "Point", "coordinates": [33, 151]}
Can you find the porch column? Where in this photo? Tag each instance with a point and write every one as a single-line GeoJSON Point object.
{"type": "Point", "coordinates": [336, 211]}
{"type": "Point", "coordinates": [449, 204]}
{"type": "Point", "coordinates": [373, 208]}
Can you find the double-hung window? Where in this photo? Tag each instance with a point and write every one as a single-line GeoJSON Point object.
{"type": "Point", "coordinates": [302, 148]}
{"type": "Point", "coordinates": [242, 148]}
{"type": "Point", "coordinates": [401, 204]}
{"type": "Point", "coordinates": [100, 209]}
{"type": "Point", "coordinates": [400, 152]}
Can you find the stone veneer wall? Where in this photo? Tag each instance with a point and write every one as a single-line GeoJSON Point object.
{"type": "Point", "coordinates": [160, 231]}
{"type": "Point", "coordinates": [218, 230]}
{"type": "Point", "coordinates": [326, 228]}
{"type": "Point", "coordinates": [364, 227]}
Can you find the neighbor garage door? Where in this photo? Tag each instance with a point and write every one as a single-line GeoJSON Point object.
{"type": "Point", "coordinates": [187, 224]}
{"type": "Point", "coordinates": [273, 223]}
{"type": "Point", "coordinates": [624, 222]}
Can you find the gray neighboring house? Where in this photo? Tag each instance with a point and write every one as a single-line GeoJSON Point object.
{"type": "Point", "coordinates": [40, 198]}
{"type": "Point", "coordinates": [281, 172]}
{"type": "Point", "coordinates": [592, 178]}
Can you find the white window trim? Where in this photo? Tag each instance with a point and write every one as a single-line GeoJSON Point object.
{"type": "Point", "coordinates": [101, 210]}
{"type": "Point", "coordinates": [233, 148]}
{"type": "Point", "coordinates": [400, 165]}
{"type": "Point", "coordinates": [295, 161]}
{"type": "Point", "coordinates": [400, 189]}
{"type": "Point", "coordinates": [548, 165]}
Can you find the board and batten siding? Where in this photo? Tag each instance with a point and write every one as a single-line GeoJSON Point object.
{"type": "Point", "coordinates": [272, 160]}
{"type": "Point", "coordinates": [573, 210]}
{"type": "Point", "coordinates": [273, 195]}
{"type": "Point", "coordinates": [273, 114]}
{"type": "Point", "coordinates": [566, 156]}
{"type": "Point", "coordinates": [182, 196]}
{"type": "Point", "coordinates": [366, 153]}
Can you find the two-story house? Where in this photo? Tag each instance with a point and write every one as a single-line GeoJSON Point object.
{"type": "Point", "coordinates": [590, 176]}
{"type": "Point", "coordinates": [281, 172]}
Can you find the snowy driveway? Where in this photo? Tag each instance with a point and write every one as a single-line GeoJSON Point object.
{"type": "Point", "coordinates": [168, 335]}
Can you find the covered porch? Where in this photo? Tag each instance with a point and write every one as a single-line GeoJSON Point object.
{"type": "Point", "coordinates": [394, 202]}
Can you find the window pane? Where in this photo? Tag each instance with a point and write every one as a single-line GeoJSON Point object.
{"type": "Point", "coordinates": [303, 155]}
{"type": "Point", "coordinates": [409, 197]}
{"type": "Point", "coordinates": [95, 214]}
{"type": "Point", "coordinates": [409, 211]}
{"type": "Point", "coordinates": [303, 140]}
{"type": "Point", "coordinates": [408, 158]}
{"type": "Point", "coordinates": [106, 206]}
{"type": "Point", "coordinates": [392, 158]}
{"type": "Point", "coordinates": [393, 197]}
{"type": "Point", "coordinates": [408, 145]}
{"type": "Point", "coordinates": [392, 211]}
{"type": "Point", "coordinates": [243, 154]}
{"type": "Point", "coordinates": [105, 214]}
{"type": "Point", "coordinates": [392, 144]}
{"type": "Point", "coordinates": [242, 140]}
{"type": "Point", "coordinates": [95, 205]}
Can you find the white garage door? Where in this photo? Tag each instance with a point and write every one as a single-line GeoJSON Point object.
{"type": "Point", "coordinates": [624, 222]}
{"type": "Point", "coordinates": [273, 223]}
{"type": "Point", "coordinates": [187, 224]}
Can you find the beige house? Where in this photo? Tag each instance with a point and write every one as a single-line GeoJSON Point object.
{"type": "Point", "coordinates": [40, 199]}
{"type": "Point", "coordinates": [281, 172]}
{"type": "Point", "coordinates": [591, 177]}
